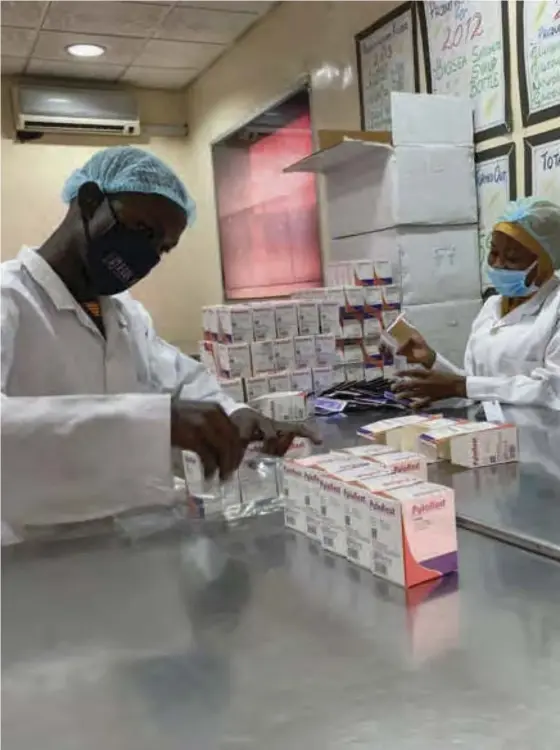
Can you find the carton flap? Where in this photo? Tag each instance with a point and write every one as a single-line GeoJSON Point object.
{"type": "Point", "coordinates": [347, 150]}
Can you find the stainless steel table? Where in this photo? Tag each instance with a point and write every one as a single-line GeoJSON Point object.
{"type": "Point", "coordinates": [520, 501]}
{"type": "Point", "coordinates": [255, 639]}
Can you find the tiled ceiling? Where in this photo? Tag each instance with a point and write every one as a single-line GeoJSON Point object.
{"type": "Point", "coordinates": [150, 44]}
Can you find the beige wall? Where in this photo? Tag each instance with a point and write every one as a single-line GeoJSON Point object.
{"type": "Point", "coordinates": [32, 179]}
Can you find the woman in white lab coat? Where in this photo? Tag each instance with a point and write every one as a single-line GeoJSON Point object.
{"type": "Point", "coordinates": [513, 352]}
{"type": "Point", "coordinates": [92, 399]}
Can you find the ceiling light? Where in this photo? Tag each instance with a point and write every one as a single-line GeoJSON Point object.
{"type": "Point", "coordinates": [85, 50]}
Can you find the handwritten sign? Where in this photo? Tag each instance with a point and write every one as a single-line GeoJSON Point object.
{"type": "Point", "coordinates": [387, 53]}
{"type": "Point", "coordinates": [465, 55]}
{"type": "Point", "coordinates": [542, 165]}
{"type": "Point", "coordinates": [539, 59]}
{"type": "Point", "coordinates": [496, 186]}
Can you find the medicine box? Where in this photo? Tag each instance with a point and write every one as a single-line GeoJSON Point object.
{"type": "Point", "coordinates": [234, 360]}
{"type": "Point", "coordinates": [323, 379]}
{"type": "Point", "coordinates": [286, 319]}
{"type": "Point", "coordinates": [279, 382]}
{"type": "Point", "coordinates": [405, 437]}
{"type": "Point", "coordinates": [325, 349]}
{"type": "Point", "coordinates": [304, 351]}
{"type": "Point", "coordinates": [284, 354]}
{"type": "Point", "coordinates": [256, 386]}
{"type": "Point", "coordinates": [235, 323]}
{"type": "Point", "coordinates": [262, 357]}
{"type": "Point", "coordinates": [234, 389]}
{"type": "Point", "coordinates": [378, 431]}
{"type": "Point", "coordinates": [264, 321]}
{"type": "Point", "coordinates": [436, 443]}
{"type": "Point", "coordinates": [302, 380]}
{"type": "Point", "coordinates": [308, 318]}
{"type": "Point", "coordinates": [497, 445]}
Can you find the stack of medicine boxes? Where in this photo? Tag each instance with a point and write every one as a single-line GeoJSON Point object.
{"type": "Point", "coordinates": [409, 197]}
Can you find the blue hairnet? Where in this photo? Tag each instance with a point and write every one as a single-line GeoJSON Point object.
{"type": "Point", "coordinates": [539, 218]}
{"type": "Point", "coordinates": [125, 169]}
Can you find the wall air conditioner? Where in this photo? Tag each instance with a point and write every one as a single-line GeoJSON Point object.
{"type": "Point", "coordinates": [48, 109]}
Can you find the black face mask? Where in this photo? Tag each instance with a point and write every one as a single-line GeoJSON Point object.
{"type": "Point", "coordinates": [117, 257]}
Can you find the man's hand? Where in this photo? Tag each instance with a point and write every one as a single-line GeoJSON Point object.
{"type": "Point", "coordinates": [205, 429]}
{"type": "Point", "coordinates": [275, 436]}
{"type": "Point", "coordinates": [424, 386]}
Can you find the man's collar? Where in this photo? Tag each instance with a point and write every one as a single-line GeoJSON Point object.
{"type": "Point", "coordinates": [47, 278]}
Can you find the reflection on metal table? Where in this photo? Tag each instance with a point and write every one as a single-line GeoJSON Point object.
{"type": "Point", "coordinates": [255, 639]}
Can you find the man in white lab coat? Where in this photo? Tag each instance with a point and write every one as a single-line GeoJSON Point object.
{"type": "Point", "coordinates": [92, 398]}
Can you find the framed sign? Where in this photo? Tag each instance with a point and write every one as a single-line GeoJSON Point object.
{"type": "Point", "coordinates": [387, 54]}
{"type": "Point", "coordinates": [466, 53]}
{"type": "Point", "coordinates": [496, 185]}
{"type": "Point", "coordinates": [542, 165]}
{"type": "Point", "coordinates": [538, 31]}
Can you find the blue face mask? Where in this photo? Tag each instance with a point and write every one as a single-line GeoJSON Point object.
{"type": "Point", "coordinates": [510, 283]}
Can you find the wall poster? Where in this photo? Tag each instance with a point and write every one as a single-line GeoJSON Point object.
{"type": "Point", "coordinates": [387, 55]}
{"type": "Point", "coordinates": [538, 44]}
{"type": "Point", "coordinates": [466, 53]}
{"type": "Point", "coordinates": [496, 186]}
{"type": "Point", "coordinates": [542, 165]}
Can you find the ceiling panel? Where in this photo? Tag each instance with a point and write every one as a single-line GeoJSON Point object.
{"type": "Point", "coordinates": [123, 19]}
{"type": "Point", "coordinates": [51, 45]}
{"type": "Point", "coordinates": [17, 42]}
{"type": "Point", "coordinates": [26, 15]}
{"type": "Point", "coordinates": [257, 8]}
{"type": "Point", "coordinates": [86, 70]}
{"type": "Point", "coordinates": [160, 54]}
{"type": "Point", "coordinates": [12, 66]}
{"type": "Point", "coordinates": [200, 25]}
{"type": "Point", "coordinates": [159, 78]}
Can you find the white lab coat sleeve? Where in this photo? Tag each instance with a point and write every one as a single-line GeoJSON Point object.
{"type": "Point", "coordinates": [441, 364]}
{"type": "Point", "coordinates": [173, 372]}
{"type": "Point", "coordinates": [540, 388]}
{"type": "Point", "coordinates": [76, 457]}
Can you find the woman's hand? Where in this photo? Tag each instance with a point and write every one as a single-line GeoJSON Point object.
{"type": "Point", "coordinates": [417, 351]}
{"type": "Point", "coordinates": [424, 386]}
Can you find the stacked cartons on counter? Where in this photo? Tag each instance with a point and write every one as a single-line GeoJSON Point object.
{"type": "Point", "coordinates": [409, 204]}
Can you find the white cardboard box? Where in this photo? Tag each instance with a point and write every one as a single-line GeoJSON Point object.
{"type": "Point", "coordinates": [323, 379]}
{"type": "Point", "coordinates": [329, 317]}
{"type": "Point", "coordinates": [235, 323]}
{"type": "Point", "coordinates": [234, 389]}
{"type": "Point", "coordinates": [308, 318]}
{"type": "Point", "coordinates": [264, 321]}
{"type": "Point", "coordinates": [256, 386]}
{"type": "Point", "coordinates": [498, 445]}
{"type": "Point", "coordinates": [234, 360]}
{"type": "Point", "coordinates": [284, 354]}
{"type": "Point", "coordinates": [279, 382]}
{"type": "Point", "coordinates": [446, 325]}
{"type": "Point", "coordinates": [325, 349]}
{"type": "Point", "coordinates": [286, 319]}
{"type": "Point", "coordinates": [287, 406]}
{"type": "Point", "coordinates": [304, 347]}
{"type": "Point", "coordinates": [302, 380]}
{"type": "Point", "coordinates": [431, 118]}
{"type": "Point", "coordinates": [413, 185]}
{"type": "Point", "coordinates": [262, 356]}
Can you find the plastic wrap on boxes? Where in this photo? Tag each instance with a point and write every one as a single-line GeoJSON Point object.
{"type": "Point", "coordinates": [445, 325]}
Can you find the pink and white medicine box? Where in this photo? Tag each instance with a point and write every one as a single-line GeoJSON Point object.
{"type": "Point", "coordinates": [264, 321]}
{"type": "Point", "coordinates": [284, 354]}
{"type": "Point", "coordinates": [286, 319]}
{"type": "Point", "coordinates": [279, 382]}
{"type": "Point", "coordinates": [302, 380]}
{"type": "Point", "coordinates": [304, 351]}
{"type": "Point", "coordinates": [234, 360]}
{"type": "Point", "coordinates": [497, 445]}
{"type": "Point", "coordinates": [256, 386]}
{"type": "Point", "coordinates": [235, 323]}
{"type": "Point", "coordinates": [325, 349]}
{"type": "Point", "coordinates": [308, 318]}
{"type": "Point", "coordinates": [262, 356]}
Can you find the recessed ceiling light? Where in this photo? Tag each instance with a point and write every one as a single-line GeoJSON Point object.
{"type": "Point", "coordinates": [85, 50]}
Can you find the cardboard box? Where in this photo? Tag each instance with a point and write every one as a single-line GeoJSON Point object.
{"type": "Point", "coordinates": [256, 386]}
{"type": "Point", "coordinates": [323, 379]}
{"type": "Point", "coordinates": [286, 319]}
{"type": "Point", "coordinates": [362, 271]}
{"type": "Point", "coordinates": [329, 318]}
{"type": "Point", "coordinates": [373, 371]}
{"type": "Point", "coordinates": [339, 374]}
{"type": "Point", "coordinates": [210, 325]}
{"type": "Point", "coordinates": [339, 274]}
{"type": "Point", "coordinates": [206, 354]}
{"type": "Point", "coordinates": [284, 354]}
{"type": "Point", "coordinates": [234, 360]}
{"type": "Point", "coordinates": [235, 323]}
{"type": "Point", "coordinates": [264, 321]}
{"type": "Point", "coordinates": [378, 431]}
{"type": "Point", "coordinates": [498, 445]}
{"type": "Point", "coordinates": [325, 349]}
{"type": "Point", "coordinates": [289, 406]}
{"type": "Point", "coordinates": [334, 294]}
{"type": "Point", "coordinates": [405, 437]}
{"type": "Point", "coordinates": [304, 348]}
{"type": "Point", "coordinates": [353, 354]}
{"type": "Point", "coordinates": [308, 318]}
{"type": "Point", "coordinates": [234, 389]}
{"type": "Point", "coordinates": [352, 328]}
{"type": "Point", "coordinates": [413, 533]}
{"type": "Point", "coordinates": [403, 462]}
{"type": "Point", "coordinates": [368, 451]}
{"type": "Point", "coordinates": [435, 443]}
{"type": "Point", "coordinates": [262, 356]}
{"type": "Point", "coordinates": [411, 185]}
{"type": "Point", "coordinates": [279, 382]}
{"type": "Point", "coordinates": [355, 297]}
{"type": "Point", "coordinates": [372, 326]}
{"type": "Point", "coordinates": [390, 297]}
{"type": "Point", "coordinates": [302, 380]}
